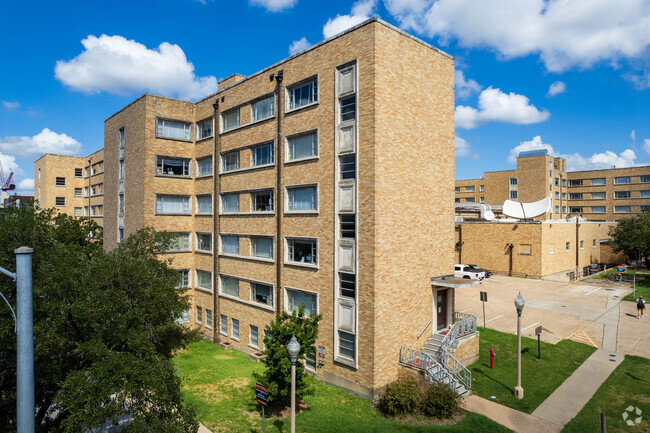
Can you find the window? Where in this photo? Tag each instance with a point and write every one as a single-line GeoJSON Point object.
{"type": "Point", "coordinates": [621, 180]}
{"type": "Point", "coordinates": [120, 235]}
{"type": "Point", "coordinates": [645, 194]}
{"type": "Point", "coordinates": [204, 129]}
{"type": "Point", "coordinates": [457, 200]}
{"type": "Point", "coordinates": [230, 244]}
{"type": "Point", "coordinates": [78, 172]}
{"type": "Point", "coordinates": [302, 251]}
{"type": "Point", "coordinates": [229, 203]}
{"type": "Point", "coordinates": [59, 201]}
{"type": "Point", "coordinates": [645, 208]}
{"type": "Point", "coordinates": [208, 318]}
{"type": "Point", "coordinates": [262, 201]}
{"type": "Point", "coordinates": [470, 189]}
{"type": "Point", "coordinates": [303, 94]}
{"type": "Point", "coordinates": [235, 329]}
{"type": "Point", "coordinates": [525, 249]}
{"type": "Point", "coordinates": [78, 192]}
{"type": "Point", "coordinates": [310, 361]}
{"type": "Point", "coordinates": [348, 108]}
{"type": "Point", "coordinates": [184, 280]}
{"type": "Point", "coordinates": [173, 129]}
{"type": "Point", "coordinates": [644, 179]}
{"type": "Point", "coordinates": [557, 181]}
{"type": "Point", "coordinates": [204, 242]}
{"type": "Point", "coordinates": [185, 317]}
{"type": "Point", "coordinates": [582, 245]}
{"type": "Point", "coordinates": [204, 280]}
{"type": "Point", "coordinates": [254, 336]}
{"type": "Point", "coordinates": [347, 285]}
{"type": "Point", "coordinates": [296, 298]}
{"type": "Point", "coordinates": [599, 181]}
{"type": "Point", "coordinates": [302, 198]}
{"type": "Point", "coordinates": [481, 188]}
{"type": "Point", "coordinates": [557, 209]}
{"type": "Point", "coordinates": [172, 166]}
{"type": "Point", "coordinates": [262, 293]}
{"type": "Point", "coordinates": [563, 182]}
{"type": "Point", "coordinates": [86, 213]}
{"type": "Point", "coordinates": [122, 138]}
{"type": "Point", "coordinates": [598, 195]}
{"type": "Point", "coordinates": [598, 209]}
{"type": "Point", "coordinates": [564, 196]}
{"type": "Point", "coordinates": [622, 194]}
{"type": "Point", "coordinates": [457, 189]}
{"type": "Point", "coordinates": [230, 286]}
{"type": "Point", "coordinates": [470, 200]}
{"type": "Point", "coordinates": [557, 195]}
{"type": "Point", "coordinates": [593, 244]}
{"type": "Point", "coordinates": [181, 242]}
{"type": "Point", "coordinates": [224, 324]}
{"type": "Point", "coordinates": [575, 196]}
{"type": "Point", "coordinates": [97, 210]}
{"type": "Point", "coordinates": [575, 209]}
{"type": "Point", "coordinates": [348, 226]}
{"type": "Point", "coordinates": [513, 195]}
{"type": "Point", "coordinates": [264, 109]}
{"type": "Point", "coordinates": [230, 161]}
{"type": "Point", "coordinates": [120, 173]}
{"type": "Point", "coordinates": [262, 247]}
{"type": "Point", "coordinates": [346, 345]}
{"type": "Point", "coordinates": [77, 212]}
{"type": "Point", "coordinates": [204, 204]}
{"type": "Point", "coordinates": [230, 119]}
{"type": "Point", "coordinates": [576, 182]}
{"type": "Point", "coordinates": [621, 209]}
{"type": "Point", "coordinates": [568, 246]}
{"type": "Point", "coordinates": [120, 200]}
{"type": "Point", "coordinates": [513, 181]}
{"type": "Point", "coordinates": [262, 155]}
{"type": "Point", "coordinates": [482, 199]}
{"type": "Point", "coordinates": [199, 315]}
{"type": "Point", "coordinates": [563, 209]}
{"type": "Point", "coordinates": [60, 181]}
{"type": "Point", "coordinates": [204, 166]}
{"type": "Point", "coordinates": [172, 204]}
{"type": "Point", "coordinates": [302, 146]}
{"type": "Point", "coordinates": [348, 166]}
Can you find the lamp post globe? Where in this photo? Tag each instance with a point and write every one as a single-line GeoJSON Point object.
{"type": "Point", "coordinates": [294, 349]}
{"type": "Point", "coordinates": [519, 304]}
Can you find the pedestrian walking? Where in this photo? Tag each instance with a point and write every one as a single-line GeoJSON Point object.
{"type": "Point", "coordinates": [640, 306]}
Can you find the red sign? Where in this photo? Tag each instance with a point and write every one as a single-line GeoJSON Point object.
{"type": "Point", "coordinates": [260, 394]}
{"type": "Point", "coordinates": [621, 269]}
{"type": "Point", "coordinates": [321, 351]}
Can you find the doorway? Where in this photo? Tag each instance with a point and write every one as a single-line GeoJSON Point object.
{"type": "Point", "coordinates": [441, 309]}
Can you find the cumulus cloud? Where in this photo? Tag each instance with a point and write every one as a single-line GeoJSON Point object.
{"type": "Point", "coordinates": [556, 88]}
{"type": "Point", "coordinates": [115, 64]}
{"type": "Point", "coordinates": [646, 145]}
{"type": "Point", "coordinates": [464, 87]}
{"type": "Point", "coordinates": [10, 105]}
{"type": "Point", "coordinates": [298, 46]}
{"type": "Point", "coordinates": [8, 164]}
{"type": "Point", "coordinates": [464, 149]}
{"type": "Point", "coordinates": [563, 33]}
{"type": "Point", "coordinates": [575, 161]}
{"type": "Point", "coordinates": [274, 5]}
{"type": "Point", "coordinates": [46, 141]}
{"type": "Point", "coordinates": [361, 11]}
{"type": "Point", "coordinates": [496, 106]}
{"type": "Point", "coordinates": [26, 185]}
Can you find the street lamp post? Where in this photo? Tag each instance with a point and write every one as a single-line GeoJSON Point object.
{"type": "Point", "coordinates": [293, 348]}
{"type": "Point", "coordinates": [519, 304]}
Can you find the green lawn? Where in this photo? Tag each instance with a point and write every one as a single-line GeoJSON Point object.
{"type": "Point", "coordinates": [540, 377]}
{"type": "Point", "coordinates": [642, 283]}
{"type": "Point", "coordinates": [628, 385]}
{"type": "Point", "coordinates": [218, 384]}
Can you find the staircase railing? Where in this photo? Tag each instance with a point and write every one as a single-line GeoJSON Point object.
{"type": "Point", "coordinates": [456, 368]}
{"type": "Point", "coordinates": [424, 361]}
{"type": "Point", "coordinates": [464, 324]}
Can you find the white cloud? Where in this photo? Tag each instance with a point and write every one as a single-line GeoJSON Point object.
{"type": "Point", "coordinates": [10, 105]}
{"type": "Point", "coordinates": [274, 5]}
{"type": "Point", "coordinates": [8, 164]}
{"type": "Point", "coordinates": [556, 88]}
{"type": "Point", "coordinates": [496, 106]}
{"type": "Point", "coordinates": [633, 135]}
{"type": "Point", "coordinates": [464, 87]}
{"type": "Point", "coordinates": [361, 11]}
{"type": "Point", "coordinates": [575, 161]}
{"type": "Point", "coordinates": [563, 33]}
{"type": "Point", "coordinates": [640, 81]}
{"type": "Point", "coordinates": [464, 149]}
{"type": "Point", "coordinates": [46, 141]}
{"type": "Point", "coordinates": [646, 145]}
{"type": "Point", "coordinates": [298, 46]}
{"type": "Point", "coordinates": [116, 65]}
{"type": "Point", "coordinates": [26, 185]}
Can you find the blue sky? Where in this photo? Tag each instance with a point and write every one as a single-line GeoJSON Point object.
{"type": "Point", "coordinates": [571, 76]}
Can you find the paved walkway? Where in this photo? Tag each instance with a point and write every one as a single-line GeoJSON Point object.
{"type": "Point", "coordinates": [203, 429]}
{"type": "Point", "coordinates": [511, 418]}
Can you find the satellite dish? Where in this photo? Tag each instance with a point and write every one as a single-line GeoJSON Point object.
{"type": "Point", "coordinates": [524, 211]}
{"type": "Point", "coordinates": [489, 216]}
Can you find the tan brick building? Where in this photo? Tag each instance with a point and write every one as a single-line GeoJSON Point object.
{"type": "Point", "coordinates": [71, 184]}
{"type": "Point", "coordinates": [599, 195]}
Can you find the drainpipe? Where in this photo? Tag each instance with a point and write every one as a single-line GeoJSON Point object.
{"type": "Point", "coordinates": [510, 248]}
{"type": "Point", "coordinates": [90, 188]}
{"type": "Point", "coordinates": [560, 195]}
{"type": "Point", "coordinates": [279, 201]}
{"type": "Point", "coordinates": [216, 320]}
{"type": "Point", "coordinates": [577, 244]}
{"type": "Point", "coordinates": [460, 243]}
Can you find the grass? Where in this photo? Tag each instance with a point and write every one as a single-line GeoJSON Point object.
{"type": "Point", "coordinates": [540, 377]}
{"type": "Point", "coordinates": [218, 384]}
{"type": "Point", "coordinates": [642, 283]}
{"type": "Point", "coordinates": [628, 385]}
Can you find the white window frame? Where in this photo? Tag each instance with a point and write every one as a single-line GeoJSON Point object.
{"type": "Point", "coordinates": [627, 182]}
{"type": "Point", "coordinates": [57, 201]}
{"type": "Point", "coordinates": [60, 184]}
{"type": "Point", "coordinates": [197, 209]}
{"type": "Point", "coordinates": [242, 296]}
{"type": "Point", "coordinates": [223, 161]}
{"type": "Point", "coordinates": [221, 244]}
{"type": "Point", "coordinates": [258, 101]}
{"type": "Point", "coordinates": [315, 146]}
{"type": "Point", "coordinates": [594, 207]}
{"type": "Point", "coordinates": [288, 261]}
{"type": "Point", "coordinates": [604, 197]}
{"type": "Point", "coordinates": [273, 204]}
{"type": "Point", "coordinates": [470, 188]}
{"type": "Point", "coordinates": [604, 179]}
{"type": "Point", "coordinates": [622, 198]}
{"type": "Point", "coordinates": [233, 321]}
{"type": "Point", "coordinates": [209, 120]}
{"type": "Point", "coordinates": [224, 116]}
{"type": "Point", "coordinates": [189, 243]}
{"type": "Point", "coordinates": [223, 318]}
{"type": "Point", "coordinates": [196, 281]}
{"type": "Point", "coordinates": [189, 204]}
{"type": "Point", "coordinates": [78, 192]}
{"type": "Point", "coordinates": [187, 132]}
{"type": "Point", "coordinates": [629, 209]}
{"type": "Point", "coordinates": [189, 277]}
{"type": "Point", "coordinates": [254, 294]}
{"type": "Point", "coordinates": [288, 98]}
{"type": "Point", "coordinates": [221, 211]}
{"type": "Point", "coordinates": [80, 171]}
{"type": "Point", "coordinates": [257, 332]}
{"type": "Point", "coordinates": [198, 160]}
{"type": "Point", "coordinates": [196, 245]}
{"type": "Point", "coordinates": [79, 213]}
{"type": "Point", "coordinates": [160, 160]}
{"type": "Point", "coordinates": [310, 292]}
{"type": "Point", "coordinates": [253, 248]}
{"type": "Point", "coordinates": [199, 313]}
{"type": "Point", "coordinates": [209, 318]}
{"type": "Point", "coordinates": [271, 145]}
{"type": "Point", "coordinates": [306, 211]}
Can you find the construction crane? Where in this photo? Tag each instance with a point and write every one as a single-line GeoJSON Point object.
{"type": "Point", "coordinates": [6, 185]}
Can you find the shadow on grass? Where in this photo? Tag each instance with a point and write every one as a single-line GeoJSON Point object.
{"type": "Point", "coordinates": [485, 373]}
{"type": "Point", "coordinates": [635, 377]}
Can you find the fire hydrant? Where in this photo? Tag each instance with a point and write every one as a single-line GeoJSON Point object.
{"type": "Point", "coordinates": [492, 359]}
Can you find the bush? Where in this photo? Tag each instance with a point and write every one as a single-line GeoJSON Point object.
{"type": "Point", "coordinates": [440, 401]}
{"type": "Point", "coordinates": [399, 398]}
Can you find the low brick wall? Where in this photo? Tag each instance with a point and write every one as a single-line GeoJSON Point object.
{"type": "Point", "coordinates": [467, 351]}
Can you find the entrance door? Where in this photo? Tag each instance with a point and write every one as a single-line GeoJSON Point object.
{"type": "Point", "coordinates": [441, 308]}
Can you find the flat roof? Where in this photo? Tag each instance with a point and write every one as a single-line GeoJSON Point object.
{"type": "Point", "coordinates": [453, 282]}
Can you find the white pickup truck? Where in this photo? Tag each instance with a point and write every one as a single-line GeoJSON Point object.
{"type": "Point", "coordinates": [464, 271]}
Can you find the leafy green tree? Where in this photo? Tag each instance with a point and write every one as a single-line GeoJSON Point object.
{"type": "Point", "coordinates": [632, 236]}
{"type": "Point", "coordinates": [277, 374]}
{"type": "Point", "coordinates": [104, 327]}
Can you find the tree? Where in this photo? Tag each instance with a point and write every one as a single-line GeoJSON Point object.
{"type": "Point", "coordinates": [632, 236]}
{"type": "Point", "coordinates": [104, 327]}
{"type": "Point", "coordinates": [277, 374]}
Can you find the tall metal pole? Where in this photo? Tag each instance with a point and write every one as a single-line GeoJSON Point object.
{"type": "Point", "coordinates": [25, 367]}
{"type": "Point", "coordinates": [293, 397]}
{"type": "Point", "coordinates": [519, 304]}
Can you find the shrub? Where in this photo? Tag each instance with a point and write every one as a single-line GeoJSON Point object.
{"type": "Point", "coordinates": [440, 401]}
{"type": "Point", "coordinates": [400, 398]}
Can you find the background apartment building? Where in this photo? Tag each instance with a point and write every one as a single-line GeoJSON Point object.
{"type": "Point", "coordinates": [71, 184]}
{"type": "Point", "coordinates": [303, 184]}
{"type": "Point", "coordinates": [599, 195]}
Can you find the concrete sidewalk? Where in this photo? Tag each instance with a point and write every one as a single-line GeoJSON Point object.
{"type": "Point", "coordinates": [511, 418]}
{"type": "Point", "coordinates": [203, 429]}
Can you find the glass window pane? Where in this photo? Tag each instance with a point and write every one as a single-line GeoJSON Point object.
{"type": "Point", "coordinates": [204, 279]}
{"type": "Point", "coordinates": [204, 166]}
{"type": "Point", "coordinates": [346, 345]}
{"type": "Point", "coordinates": [263, 155]}
{"type": "Point", "coordinates": [262, 201]}
{"type": "Point", "coordinates": [172, 204]}
{"type": "Point", "coordinates": [299, 298]}
{"type": "Point", "coordinates": [230, 244]}
{"type": "Point", "coordinates": [302, 95]}
{"type": "Point", "coordinates": [303, 146]}
{"type": "Point", "coordinates": [230, 119]}
{"type": "Point", "coordinates": [302, 251]}
{"type": "Point", "coordinates": [230, 161]}
{"type": "Point", "coordinates": [262, 247]}
{"type": "Point", "coordinates": [264, 109]}
{"type": "Point", "coordinates": [262, 293]}
{"type": "Point", "coordinates": [204, 204]}
{"type": "Point", "coordinates": [302, 198]}
{"type": "Point", "coordinates": [230, 203]}
{"type": "Point", "coordinates": [348, 108]}
{"type": "Point", "coordinates": [204, 241]}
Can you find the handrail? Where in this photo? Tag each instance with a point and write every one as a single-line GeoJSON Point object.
{"type": "Point", "coordinates": [424, 361]}
{"type": "Point", "coordinates": [424, 329]}
{"type": "Point", "coordinates": [456, 368]}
